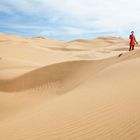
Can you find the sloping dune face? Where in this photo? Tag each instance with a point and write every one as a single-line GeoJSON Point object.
{"type": "Point", "coordinates": [78, 90]}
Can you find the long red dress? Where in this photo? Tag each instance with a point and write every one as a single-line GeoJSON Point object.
{"type": "Point", "coordinates": [132, 40]}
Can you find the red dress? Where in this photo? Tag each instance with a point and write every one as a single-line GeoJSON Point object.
{"type": "Point", "coordinates": [132, 40]}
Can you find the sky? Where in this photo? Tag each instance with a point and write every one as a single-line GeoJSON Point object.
{"type": "Point", "coordinates": [70, 19]}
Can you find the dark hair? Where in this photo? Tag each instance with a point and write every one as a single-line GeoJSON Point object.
{"type": "Point", "coordinates": [132, 32]}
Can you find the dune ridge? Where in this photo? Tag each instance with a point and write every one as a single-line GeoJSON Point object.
{"type": "Point", "coordinates": [59, 72]}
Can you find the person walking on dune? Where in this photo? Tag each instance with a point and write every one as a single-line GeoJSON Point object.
{"type": "Point", "coordinates": [133, 41]}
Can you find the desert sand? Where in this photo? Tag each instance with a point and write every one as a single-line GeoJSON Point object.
{"type": "Point", "coordinates": [77, 90]}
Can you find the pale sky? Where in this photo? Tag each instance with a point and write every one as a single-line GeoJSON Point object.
{"type": "Point", "coordinates": [70, 19]}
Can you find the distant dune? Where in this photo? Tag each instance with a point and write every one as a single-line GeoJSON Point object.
{"type": "Point", "coordinates": [77, 90]}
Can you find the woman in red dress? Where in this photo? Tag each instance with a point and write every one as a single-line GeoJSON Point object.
{"type": "Point", "coordinates": [133, 41]}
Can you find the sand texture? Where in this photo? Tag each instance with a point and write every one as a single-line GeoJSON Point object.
{"type": "Point", "coordinates": [77, 90]}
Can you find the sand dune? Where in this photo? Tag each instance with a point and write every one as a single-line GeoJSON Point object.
{"type": "Point", "coordinates": [51, 90]}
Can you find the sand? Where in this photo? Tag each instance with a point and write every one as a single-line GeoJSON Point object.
{"type": "Point", "coordinates": [77, 90]}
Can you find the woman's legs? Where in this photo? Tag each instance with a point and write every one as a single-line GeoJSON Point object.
{"type": "Point", "coordinates": [131, 48]}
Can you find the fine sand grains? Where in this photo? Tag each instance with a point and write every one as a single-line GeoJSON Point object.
{"type": "Point", "coordinates": [78, 90]}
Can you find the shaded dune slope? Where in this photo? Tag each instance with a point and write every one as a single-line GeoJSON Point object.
{"type": "Point", "coordinates": [56, 74]}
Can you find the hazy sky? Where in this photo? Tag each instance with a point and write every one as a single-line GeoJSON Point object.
{"type": "Point", "coordinates": [70, 19]}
